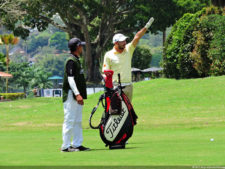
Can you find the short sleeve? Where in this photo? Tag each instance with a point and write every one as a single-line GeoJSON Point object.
{"type": "Point", "coordinates": [106, 63]}
{"type": "Point", "coordinates": [71, 68]}
{"type": "Point", "coordinates": [130, 48]}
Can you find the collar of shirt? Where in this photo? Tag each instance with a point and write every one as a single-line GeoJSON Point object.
{"type": "Point", "coordinates": [116, 52]}
{"type": "Point", "coordinates": [75, 56]}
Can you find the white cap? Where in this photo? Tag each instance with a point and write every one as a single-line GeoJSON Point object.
{"type": "Point", "coordinates": [119, 37]}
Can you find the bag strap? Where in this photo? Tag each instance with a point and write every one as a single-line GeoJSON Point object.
{"type": "Point", "coordinates": [94, 110]}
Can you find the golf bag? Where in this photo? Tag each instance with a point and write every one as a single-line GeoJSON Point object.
{"type": "Point", "coordinates": [118, 119]}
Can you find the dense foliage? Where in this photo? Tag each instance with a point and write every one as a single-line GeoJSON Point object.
{"type": "Point", "coordinates": [27, 76]}
{"type": "Point", "coordinates": [96, 21]}
{"type": "Point", "coordinates": [12, 96]}
{"type": "Point", "coordinates": [142, 57]}
{"type": "Point", "coordinates": [195, 47]}
{"type": "Point", "coordinates": [40, 78]}
{"type": "Point", "coordinates": [22, 75]}
{"type": "Point", "coordinates": [2, 68]}
{"type": "Point", "coordinates": [209, 51]}
{"type": "Point", "coordinates": [59, 40]}
{"type": "Point", "coordinates": [37, 41]}
{"type": "Point", "coordinates": [2, 61]}
{"type": "Point", "coordinates": [51, 60]}
{"type": "Point", "coordinates": [154, 42]}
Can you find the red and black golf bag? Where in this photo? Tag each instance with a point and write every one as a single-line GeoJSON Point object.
{"type": "Point", "coordinates": [118, 119]}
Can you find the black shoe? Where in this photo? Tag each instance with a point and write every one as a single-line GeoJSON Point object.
{"type": "Point", "coordinates": [70, 149]}
{"type": "Point", "coordinates": [82, 148]}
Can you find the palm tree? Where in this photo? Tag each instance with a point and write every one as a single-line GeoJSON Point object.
{"type": "Point", "coordinates": [40, 79]}
{"type": "Point", "coordinates": [7, 40]}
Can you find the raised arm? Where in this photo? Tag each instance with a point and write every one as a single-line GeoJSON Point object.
{"type": "Point", "coordinates": [141, 32]}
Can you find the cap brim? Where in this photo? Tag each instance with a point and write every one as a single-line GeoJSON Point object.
{"type": "Point", "coordinates": [122, 39]}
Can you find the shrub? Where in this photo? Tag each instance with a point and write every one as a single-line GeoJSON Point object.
{"type": "Point", "coordinates": [195, 47]}
{"type": "Point", "coordinates": [142, 57]}
{"type": "Point", "coordinates": [209, 52]}
{"type": "Point", "coordinates": [12, 96]}
{"type": "Point", "coordinates": [216, 51]}
{"type": "Point", "coordinates": [176, 62]}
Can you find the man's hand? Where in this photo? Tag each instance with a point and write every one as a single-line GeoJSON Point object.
{"type": "Point", "coordinates": [149, 23]}
{"type": "Point", "coordinates": [79, 99]}
{"type": "Point", "coordinates": [140, 33]}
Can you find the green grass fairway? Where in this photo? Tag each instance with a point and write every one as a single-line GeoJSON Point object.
{"type": "Point", "coordinates": [177, 120]}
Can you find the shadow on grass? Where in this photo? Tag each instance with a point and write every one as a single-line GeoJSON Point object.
{"type": "Point", "coordinates": [107, 149]}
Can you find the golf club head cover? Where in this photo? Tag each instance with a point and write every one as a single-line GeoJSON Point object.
{"type": "Point", "coordinates": [108, 78]}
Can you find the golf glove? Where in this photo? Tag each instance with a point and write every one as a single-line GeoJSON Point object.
{"type": "Point", "coordinates": [149, 23]}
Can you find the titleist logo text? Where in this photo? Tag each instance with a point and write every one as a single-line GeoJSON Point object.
{"type": "Point", "coordinates": [115, 123]}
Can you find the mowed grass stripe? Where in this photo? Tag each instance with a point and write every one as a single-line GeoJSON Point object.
{"type": "Point", "coordinates": [177, 121]}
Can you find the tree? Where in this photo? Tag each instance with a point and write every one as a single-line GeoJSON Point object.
{"type": "Point", "coordinates": [166, 13]}
{"type": "Point", "coordinates": [2, 61]}
{"type": "Point", "coordinates": [40, 78]}
{"type": "Point", "coordinates": [59, 41]}
{"type": "Point", "coordinates": [22, 74]}
{"type": "Point", "coordinates": [156, 56]}
{"type": "Point", "coordinates": [196, 46]}
{"type": "Point", "coordinates": [142, 57]}
{"type": "Point", "coordinates": [11, 11]}
{"type": "Point", "coordinates": [2, 68]}
{"type": "Point", "coordinates": [94, 21]}
{"type": "Point", "coordinates": [8, 39]}
{"type": "Point", "coordinates": [27, 76]}
{"type": "Point", "coordinates": [38, 40]}
{"type": "Point", "coordinates": [50, 60]}
{"type": "Point", "coordinates": [219, 3]}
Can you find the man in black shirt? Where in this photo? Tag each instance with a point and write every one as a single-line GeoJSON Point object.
{"type": "Point", "coordinates": [74, 91]}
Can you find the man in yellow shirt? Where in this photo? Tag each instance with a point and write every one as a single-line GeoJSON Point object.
{"type": "Point", "coordinates": [119, 58]}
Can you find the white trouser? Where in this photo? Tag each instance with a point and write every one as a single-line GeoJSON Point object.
{"type": "Point", "coordinates": [72, 127]}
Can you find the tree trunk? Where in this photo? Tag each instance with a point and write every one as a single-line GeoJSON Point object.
{"type": "Point", "coordinates": [95, 72]}
{"type": "Point", "coordinates": [7, 66]}
{"type": "Point", "coordinates": [164, 37]}
{"type": "Point", "coordinates": [24, 90]}
{"type": "Point", "coordinates": [164, 41]}
{"type": "Point", "coordinates": [91, 59]}
{"type": "Point", "coordinates": [219, 3]}
{"type": "Point", "coordinates": [88, 57]}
